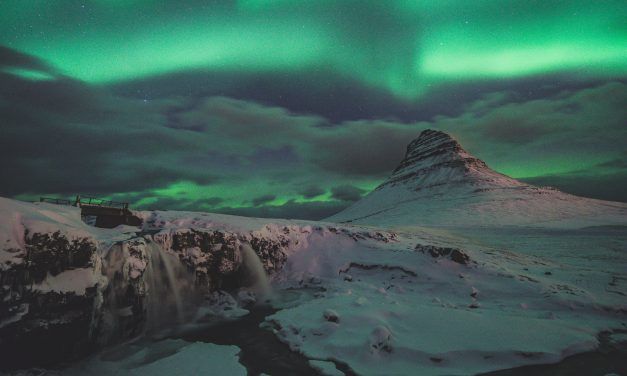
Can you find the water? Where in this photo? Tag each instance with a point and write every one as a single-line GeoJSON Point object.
{"type": "Point", "coordinates": [170, 291]}
{"type": "Point", "coordinates": [261, 351]}
{"type": "Point", "coordinates": [252, 263]}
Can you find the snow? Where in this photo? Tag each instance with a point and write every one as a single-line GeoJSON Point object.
{"type": "Point", "coordinates": [17, 217]}
{"type": "Point", "coordinates": [168, 357]}
{"type": "Point", "coordinates": [74, 280]}
{"type": "Point", "coordinates": [325, 368]}
{"type": "Point", "coordinates": [417, 308]}
{"type": "Point", "coordinates": [383, 305]}
{"type": "Point", "coordinates": [460, 206]}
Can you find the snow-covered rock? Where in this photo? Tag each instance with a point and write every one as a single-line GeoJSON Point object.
{"type": "Point", "coordinates": [380, 340]}
{"type": "Point", "coordinates": [50, 278]}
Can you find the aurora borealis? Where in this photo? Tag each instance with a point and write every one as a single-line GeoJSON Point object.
{"type": "Point", "coordinates": [296, 108]}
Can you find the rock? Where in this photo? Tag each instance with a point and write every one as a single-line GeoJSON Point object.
{"type": "Point", "coordinates": [331, 316]}
{"type": "Point", "coordinates": [45, 315]}
{"type": "Point", "coordinates": [454, 254]}
{"type": "Point", "coordinates": [214, 254]}
{"type": "Point", "coordinates": [125, 265]}
{"type": "Point", "coordinates": [221, 300]}
{"type": "Point", "coordinates": [246, 298]}
{"type": "Point", "coordinates": [380, 340]}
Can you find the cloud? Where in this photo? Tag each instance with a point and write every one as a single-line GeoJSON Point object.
{"type": "Point", "coordinates": [606, 179]}
{"type": "Point", "coordinates": [347, 193]}
{"type": "Point", "coordinates": [610, 186]}
{"type": "Point", "coordinates": [10, 58]}
{"type": "Point", "coordinates": [62, 136]}
{"type": "Point", "coordinates": [257, 201]}
{"type": "Point", "coordinates": [312, 191]}
{"type": "Point", "coordinates": [313, 210]}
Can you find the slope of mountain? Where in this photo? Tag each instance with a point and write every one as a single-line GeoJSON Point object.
{"type": "Point", "coordinates": [438, 183]}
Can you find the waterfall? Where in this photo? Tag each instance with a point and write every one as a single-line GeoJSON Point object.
{"type": "Point", "coordinates": [169, 287]}
{"type": "Point", "coordinates": [252, 263]}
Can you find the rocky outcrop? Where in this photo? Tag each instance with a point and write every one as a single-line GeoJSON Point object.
{"type": "Point", "coordinates": [453, 254]}
{"type": "Point", "coordinates": [123, 313]}
{"type": "Point", "coordinates": [214, 255]}
{"type": "Point", "coordinates": [47, 297]}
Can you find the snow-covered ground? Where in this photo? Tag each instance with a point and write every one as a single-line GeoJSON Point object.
{"type": "Point", "coordinates": [393, 302]}
{"type": "Point", "coordinates": [403, 312]}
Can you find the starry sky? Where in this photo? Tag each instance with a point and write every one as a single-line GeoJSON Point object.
{"type": "Point", "coordinates": [297, 108]}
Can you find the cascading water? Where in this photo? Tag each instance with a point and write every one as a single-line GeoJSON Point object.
{"type": "Point", "coordinates": [170, 288]}
{"type": "Point", "coordinates": [252, 263]}
{"type": "Point", "coordinates": [149, 289]}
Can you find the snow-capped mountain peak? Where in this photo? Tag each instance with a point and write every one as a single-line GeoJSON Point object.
{"type": "Point", "coordinates": [434, 158]}
{"type": "Point", "coordinates": [439, 183]}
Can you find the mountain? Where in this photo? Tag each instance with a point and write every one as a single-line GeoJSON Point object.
{"type": "Point", "coordinates": [440, 183]}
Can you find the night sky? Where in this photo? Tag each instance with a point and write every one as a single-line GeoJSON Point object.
{"type": "Point", "coordinates": [295, 108]}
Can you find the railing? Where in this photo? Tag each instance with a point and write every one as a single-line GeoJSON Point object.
{"type": "Point", "coordinates": [53, 200]}
{"type": "Point", "coordinates": [93, 201]}
{"type": "Point", "coordinates": [86, 201]}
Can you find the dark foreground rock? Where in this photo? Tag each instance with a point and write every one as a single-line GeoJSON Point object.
{"type": "Point", "coordinates": [37, 322]}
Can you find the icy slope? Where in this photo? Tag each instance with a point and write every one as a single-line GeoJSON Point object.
{"type": "Point", "coordinates": [438, 183]}
{"type": "Point", "coordinates": [407, 308]}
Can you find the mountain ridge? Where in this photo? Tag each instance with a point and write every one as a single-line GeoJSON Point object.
{"type": "Point", "coordinates": [439, 183]}
{"type": "Point", "coordinates": [435, 150]}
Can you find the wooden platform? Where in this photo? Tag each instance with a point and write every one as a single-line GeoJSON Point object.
{"type": "Point", "coordinates": [108, 213]}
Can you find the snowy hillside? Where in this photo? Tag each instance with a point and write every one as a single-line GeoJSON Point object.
{"type": "Point", "coordinates": [346, 299]}
{"type": "Point", "coordinates": [438, 183]}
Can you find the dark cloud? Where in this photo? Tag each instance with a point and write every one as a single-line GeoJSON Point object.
{"type": "Point", "coordinates": [257, 201]}
{"type": "Point", "coordinates": [62, 136]}
{"type": "Point", "coordinates": [364, 148]}
{"type": "Point", "coordinates": [314, 210]}
{"type": "Point", "coordinates": [337, 97]}
{"type": "Point", "coordinates": [606, 180]}
{"type": "Point", "coordinates": [512, 128]}
{"type": "Point", "coordinates": [312, 191]}
{"type": "Point", "coordinates": [213, 201]}
{"type": "Point", "coordinates": [10, 58]}
{"type": "Point", "coordinates": [272, 156]}
{"type": "Point", "coordinates": [590, 184]}
{"type": "Point", "coordinates": [347, 193]}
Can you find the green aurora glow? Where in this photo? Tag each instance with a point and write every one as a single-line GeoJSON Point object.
{"type": "Point", "coordinates": [402, 46]}
{"type": "Point", "coordinates": [408, 49]}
